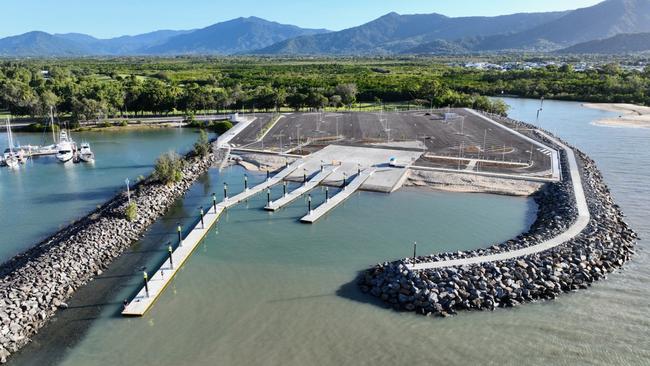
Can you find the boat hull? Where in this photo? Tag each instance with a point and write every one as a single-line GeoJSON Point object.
{"type": "Point", "coordinates": [64, 158]}
{"type": "Point", "coordinates": [87, 158]}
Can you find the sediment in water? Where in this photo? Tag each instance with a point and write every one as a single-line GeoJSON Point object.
{"type": "Point", "coordinates": [36, 283]}
{"type": "Point", "coordinates": [603, 246]}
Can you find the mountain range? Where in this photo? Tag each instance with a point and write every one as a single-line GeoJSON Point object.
{"type": "Point", "coordinates": [619, 44]}
{"type": "Point", "coordinates": [612, 26]}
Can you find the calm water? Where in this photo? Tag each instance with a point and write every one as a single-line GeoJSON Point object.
{"type": "Point", "coordinates": [264, 289]}
{"type": "Point", "coordinates": [45, 195]}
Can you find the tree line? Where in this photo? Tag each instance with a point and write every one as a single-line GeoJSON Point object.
{"type": "Point", "coordinates": [96, 89]}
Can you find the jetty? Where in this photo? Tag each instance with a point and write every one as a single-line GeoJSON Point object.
{"type": "Point", "coordinates": [306, 187]}
{"type": "Point", "coordinates": [154, 285]}
{"type": "Point", "coordinates": [345, 193]}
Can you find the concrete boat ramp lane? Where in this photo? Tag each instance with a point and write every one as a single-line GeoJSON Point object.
{"type": "Point", "coordinates": [346, 192]}
{"type": "Point", "coordinates": [578, 226]}
{"type": "Point", "coordinates": [155, 285]}
{"type": "Point", "coordinates": [306, 187]}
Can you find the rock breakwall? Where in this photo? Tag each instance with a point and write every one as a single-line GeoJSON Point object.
{"type": "Point", "coordinates": [36, 283]}
{"type": "Point", "coordinates": [603, 246]}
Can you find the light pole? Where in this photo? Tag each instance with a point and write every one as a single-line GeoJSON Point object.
{"type": "Point", "coordinates": [415, 247]}
{"type": "Point", "coordinates": [128, 190]}
{"type": "Point", "coordinates": [462, 125]}
{"type": "Point", "coordinates": [170, 251]}
{"type": "Point", "coordinates": [460, 153]}
{"type": "Point", "coordinates": [337, 126]}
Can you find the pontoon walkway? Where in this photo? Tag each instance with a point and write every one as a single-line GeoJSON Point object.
{"type": "Point", "coordinates": [308, 186]}
{"type": "Point", "coordinates": [346, 192]}
{"type": "Point", "coordinates": [163, 275]}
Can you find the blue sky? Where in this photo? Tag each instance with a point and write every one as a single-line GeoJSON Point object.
{"type": "Point", "coordinates": [118, 17]}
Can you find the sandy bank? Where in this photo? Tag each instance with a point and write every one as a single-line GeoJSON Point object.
{"type": "Point", "coordinates": [263, 162]}
{"type": "Point", "coordinates": [630, 115]}
{"type": "Point", "coordinates": [453, 182]}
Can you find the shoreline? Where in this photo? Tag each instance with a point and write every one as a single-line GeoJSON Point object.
{"type": "Point", "coordinates": [79, 253]}
{"type": "Point", "coordinates": [630, 115]}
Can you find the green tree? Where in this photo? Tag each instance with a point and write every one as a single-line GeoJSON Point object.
{"type": "Point", "coordinates": [336, 101]}
{"type": "Point", "coordinates": [131, 211]}
{"type": "Point", "coordinates": [220, 127]}
{"type": "Point", "coordinates": [316, 100]}
{"type": "Point", "coordinates": [566, 68]}
{"type": "Point", "coordinates": [611, 69]}
{"type": "Point", "coordinates": [296, 100]}
{"type": "Point", "coordinates": [348, 93]}
{"type": "Point", "coordinates": [202, 145]}
{"type": "Point", "coordinates": [168, 168]}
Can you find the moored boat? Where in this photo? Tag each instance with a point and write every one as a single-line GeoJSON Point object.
{"type": "Point", "coordinates": [65, 147]}
{"type": "Point", "coordinates": [11, 158]}
{"type": "Point", "coordinates": [86, 154]}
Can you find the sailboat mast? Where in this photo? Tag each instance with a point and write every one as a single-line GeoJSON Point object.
{"type": "Point", "coordinates": [10, 138]}
{"type": "Point", "coordinates": [52, 125]}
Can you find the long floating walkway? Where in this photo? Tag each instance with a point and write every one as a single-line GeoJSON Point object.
{"type": "Point", "coordinates": [308, 186]}
{"type": "Point", "coordinates": [232, 201]}
{"type": "Point", "coordinates": [163, 275]}
{"type": "Point", "coordinates": [580, 224]}
{"type": "Point", "coordinates": [346, 192]}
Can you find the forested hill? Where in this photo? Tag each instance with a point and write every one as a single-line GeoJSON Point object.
{"type": "Point", "coordinates": [620, 44]}
{"type": "Point", "coordinates": [395, 33]}
{"type": "Point", "coordinates": [390, 34]}
{"type": "Point", "coordinates": [602, 20]}
{"type": "Point", "coordinates": [234, 36]}
{"type": "Point", "coordinates": [225, 38]}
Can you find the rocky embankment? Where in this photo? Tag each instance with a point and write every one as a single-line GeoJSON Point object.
{"type": "Point", "coordinates": [35, 284]}
{"type": "Point", "coordinates": [603, 246]}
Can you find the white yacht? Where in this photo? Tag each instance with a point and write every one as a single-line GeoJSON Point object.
{"type": "Point", "coordinates": [11, 162]}
{"type": "Point", "coordinates": [65, 147]}
{"type": "Point", "coordinates": [85, 154]}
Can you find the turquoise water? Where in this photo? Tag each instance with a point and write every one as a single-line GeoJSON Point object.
{"type": "Point", "coordinates": [45, 195]}
{"type": "Point", "coordinates": [266, 289]}
{"type": "Point", "coordinates": [263, 289]}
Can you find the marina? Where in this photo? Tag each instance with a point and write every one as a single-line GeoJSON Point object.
{"type": "Point", "coordinates": [156, 284]}
{"type": "Point", "coordinates": [231, 258]}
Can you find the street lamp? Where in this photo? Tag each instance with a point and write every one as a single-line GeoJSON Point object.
{"type": "Point", "coordinates": [128, 190]}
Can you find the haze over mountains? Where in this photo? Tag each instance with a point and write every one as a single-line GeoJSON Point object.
{"type": "Point", "coordinates": [390, 34]}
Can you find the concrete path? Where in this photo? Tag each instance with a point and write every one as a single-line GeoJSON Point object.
{"type": "Point", "coordinates": [339, 197]}
{"type": "Point", "coordinates": [147, 296]}
{"type": "Point", "coordinates": [308, 186]}
{"type": "Point", "coordinates": [472, 164]}
{"type": "Point", "coordinates": [553, 153]}
{"type": "Point", "coordinates": [230, 134]}
{"type": "Point", "coordinates": [572, 231]}
{"type": "Point", "coordinates": [163, 275]}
